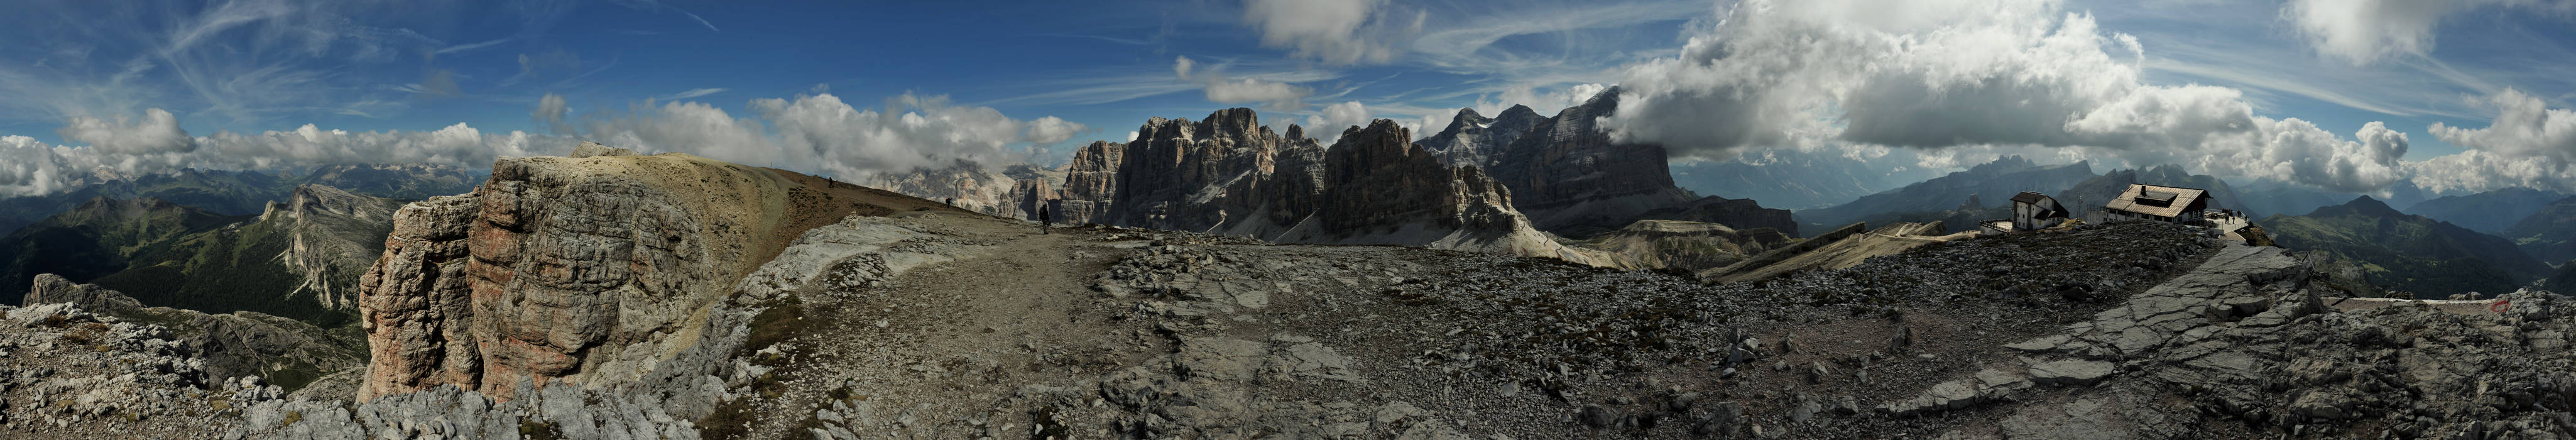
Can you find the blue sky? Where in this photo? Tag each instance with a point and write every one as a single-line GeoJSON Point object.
{"type": "Point", "coordinates": [404, 70]}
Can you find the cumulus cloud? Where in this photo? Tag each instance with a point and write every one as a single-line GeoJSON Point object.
{"type": "Point", "coordinates": [154, 144]}
{"type": "Point", "coordinates": [1334, 31]}
{"type": "Point", "coordinates": [2366, 31]}
{"type": "Point", "coordinates": [1546, 100]}
{"type": "Point", "coordinates": [814, 133]}
{"type": "Point", "coordinates": [2527, 144]}
{"type": "Point", "coordinates": [1272, 95]}
{"type": "Point", "coordinates": [1941, 74]}
{"type": "Point", "coordinates": [1050, 129]}
{"type": "Point", "coordinates": [2523, 127]}
{"type": "Point", "coordinates": [821, 133]}
{"type": "Point", "coordinates": [1327, 126]}
{"type": "Point", "coordinates": [156, 132]}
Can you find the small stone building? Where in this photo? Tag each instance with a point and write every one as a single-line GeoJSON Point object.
{"type": "Point", "coordinates": [2034, 211]}
{"type": "Point", "coordinates": [2159, 203]}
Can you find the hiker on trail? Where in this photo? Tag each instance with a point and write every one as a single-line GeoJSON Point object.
{"type": "Point", "coordinates": [1044, 221]}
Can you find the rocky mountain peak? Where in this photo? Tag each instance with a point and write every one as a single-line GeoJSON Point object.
{"type": "Point", "coordinates": [1467, 118]}
{"type": "Point", "coordinates": [2364, 206]}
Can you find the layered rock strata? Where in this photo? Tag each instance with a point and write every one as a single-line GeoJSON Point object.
{"type": "Point", "coordinates": [333, 237]}
{"type": "Point", "coordinates": [586, 270]}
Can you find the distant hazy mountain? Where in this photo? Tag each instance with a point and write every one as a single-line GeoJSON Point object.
{"type": "Point", "coordinates": [1790, 184]}
{"type": "Point", "coordinates": [300, 258]}
{"type": "Point", "coordinates": [242, 192]}
{"type": "Point", "coordinates": [2549, 233]}
{"type": "Point", "coordinates": [2408, 252]}
{"type": "Point", "coordinates": [407, 182]}
{"type": "Point", "coordinates": [96, 238]}
{"type": "Point", "coordinates": [2490, 212]}
{"type": "Point", "coordinates": [2268, 197]}
{"type": "Point", "coordinates": [2093, 192]}
{"type": "Point", "coordinates": [1993, 182]}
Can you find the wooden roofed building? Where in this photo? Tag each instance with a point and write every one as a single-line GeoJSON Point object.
{"type": "Point", "coordinates": [2154, 202]}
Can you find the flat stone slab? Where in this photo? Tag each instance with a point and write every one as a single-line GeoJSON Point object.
{"type": "Point", "coordinates": [2070, 372]}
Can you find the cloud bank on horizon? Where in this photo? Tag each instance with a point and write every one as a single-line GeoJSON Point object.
{"type": "Point", "coordinates": [1930, 82]}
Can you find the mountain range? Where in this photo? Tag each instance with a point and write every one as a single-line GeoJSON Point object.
{"type": "Point", "coordinates": [2409, 253]}
{"type": "Point", "coordinates": [299, 259]}
{"type": "Point", "coordinates": [240, 192]}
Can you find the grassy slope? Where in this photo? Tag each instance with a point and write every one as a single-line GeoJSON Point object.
{"type": "Point", "coordinates": [2408, 253]}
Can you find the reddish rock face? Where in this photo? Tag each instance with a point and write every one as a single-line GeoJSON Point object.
{"type": "Point", "coordinates": [560, 270]}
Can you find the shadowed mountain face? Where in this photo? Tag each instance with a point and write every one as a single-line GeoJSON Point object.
{"type": "Point", "coordinates": [100, 237]}
{"type": "Point", "coordinates": [300, 259]}
{"type": "Point", "coordinates": [2549, 233]}
{"type": "Point", "coordinates": [2489, 212]}
{"type": "Point", "coordinates": [2408, 252]}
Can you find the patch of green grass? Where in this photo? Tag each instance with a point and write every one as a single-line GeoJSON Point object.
{"type": "Point", "coordinates": [535, 430]}
{"type": "Point", "coordinates": [784, 320]}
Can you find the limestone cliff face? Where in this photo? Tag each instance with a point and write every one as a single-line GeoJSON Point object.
{"type": "Point", "coordinates": [1567, 175]}
{"type": "Point", "coordinates": [1090, 183]}
{"type": "Point", "coordinates": [333, 237]}
{"type": "Point", "coordinates": [1209, 175]}
{"type": "Point", "coordinates": [564, 270]}
{"type": "Point", "coordinates": [1229, 174]}
{"type": "Point", "coordinates": [976, 188]}
{"type": "Point", "coordinates": [1472, 139]}
{"type": "Point", "coordinates": [1375, 179]}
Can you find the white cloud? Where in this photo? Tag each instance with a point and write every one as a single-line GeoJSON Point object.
{"type": "Point", "coordinates": [155, 145]}
{"type": "Point", "coordinates": [2366, 31]}
{"type": "Point", "coordinates": [2527, 144]}
{"type": "Point", "coordinates": [550, 110]}
{"type": "Point", "coordinates": [1327, 127]}
{"type": "Point", "coordinates": [1337, 32]}
{"type": "Point", "coordinates": [821, 133]}
{"type": "Point", "coordinates": [1050, 129]}
{"type": "Point", "coordinates": [1272, 94]}
{"type": "Point", "coordinates": [1960, 73]}
{"type": "Point", "coordinates": [157, 132]}
{"type": "Point", "coordinates": [1546, 100]}
{"type": "Point", "coordinates": [2523, 127]}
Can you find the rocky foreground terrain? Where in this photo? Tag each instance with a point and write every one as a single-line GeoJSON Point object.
{"type": "Point", "coordinates": [614, 295]}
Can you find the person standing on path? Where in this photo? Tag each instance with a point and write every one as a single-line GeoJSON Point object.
{"type": "Point", "coordinates": [1044, 221]}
